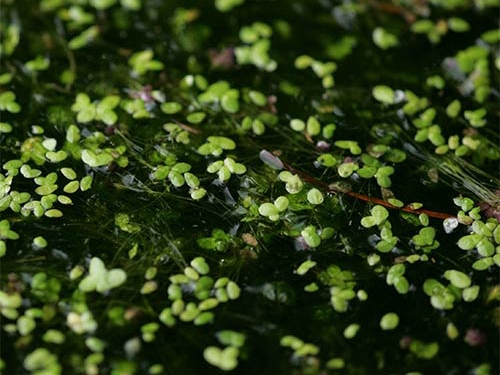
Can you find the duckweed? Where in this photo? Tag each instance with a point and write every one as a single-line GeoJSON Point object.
{"type": "Point", "coordinates": [145, 226]}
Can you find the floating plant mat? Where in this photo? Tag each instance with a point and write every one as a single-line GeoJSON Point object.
{"type": "Point", "coordinates": [274, 187]}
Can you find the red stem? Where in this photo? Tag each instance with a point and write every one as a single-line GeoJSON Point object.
{"type": "Point", "coordinates": [333, 189]}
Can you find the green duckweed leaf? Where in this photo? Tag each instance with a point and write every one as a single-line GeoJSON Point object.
{"type": "Point", "coordinates": [457, 278]}
{"type": "Point", "coordinates": [335, 364]}
{"type": "Point", "coordinates": [227, 5]}
{"type": "Point", "coordinates": [96, 160]}
{"type": "Point", "coordinates": [29, 172]}
{"type": "Point", "coordinates": [39, 242]}
{"type": "Point", "coordinates": [233, 290]}
{"type": "Point", "coordinates": [281, 203]}
{"type": "Point", "coordinates": [170, 107]}
{"type": "Point", "coordinates": [452, 331]}
{"type": "Point", "coordinates": [423, 350]}
{"type": "Point", "coordinates": [224, 173]}
{"type": "Point", "coordinates": [56, 157]}
{"type": "Point", "coordinates": [191, 180]}
{"type": "Point", "coordinates": [5, 78]}
{"type": "Point", "coordinates": [471, 293]}
{"type": "Point", "coordinates": [483, 264]}
{"type": "Point", "coordinates": [480, 228]}
{"type": "Point", "coordinates": [53, 213]}
{"type": "Point", "coordinates": [367, 172]}
{"type": "Point", "coordinates": [222, 142]}
{"type": "Point", "coordinates": [141, 62]}
{"type": "Point", "coordinates": [86, 183]}
{"type": "Point", "coordinates": [200, 265]}
{"type": "Point", "coordinates": [197, 193]}
{"type": "Point", "coordinates": [453, 109]}
{"type": "Point", "coordinates": [458, 25]}
{"type": "Point", "coordinates": [257, 98]}
{"type": "Point", "coordinates": [73, 134]}
{"type": "Point", "coordinates": [5, 127]}
{"type": "Point", "coordinates": [326, 233]}
{"type": "Point", "coordinates": [269, 210]}
{"type": "Point", "coordinates": [443, 301]}
{"type": "Point", "coordinates": [433, 287]}
{"type": "Point", "coordinates": [225, 359]}
{"type": "Point", "coordinates": [368, 221]}
{"type": "Point", "coordinates": [41, 359]}
{"type": "Point", "coordinates": [297, 125]}
{"type": "Point", "coordinates": [303, 62]}
{"type": "Point", "coordinates": [384, 94]}
{"type": "Point", "coordinates": [327, 160]}
{"type": "Point", "coordinates": [8, 102]}
{"type": "Point", "coordinates": [425, 237]}
{"type": "Point", "coordinates": [63, 199]}
{"type": "Point", "coordinates": [323, 69]}
{"type": "Point", "coordinates": [351, 330]}
{"type": "Point", "coordinates": [485, 248]}
{"type": "Point", "coordinates": [100, 279]}
{"type": "Point", "coordinates": [378, 215]}
{"type": "Point", "coordinates": [6, 232]}
{"type": "Point", "coordinates": [389, 321]}
{"type": "Point", "coordinates": [176, 178]}
{"type": "Point", "coordinates": [258, 127]}
{"type": "Point", "coordinates": [294, 184]}
{"type": "Point", "coordinates": [346, 169]}
{"type": "Point", "coordinates": [311, 237]}
{"type": "Point", "coordinates": [229, 103]}
{"type": "Point", "coordinates": [314, 196]}
{"type": "Point", "coordinates": [69, 173]}
{"type": "Point", "coordinates": [9, 303]}
{"type": "Point", "coordinates": [231, 338]}
{"type": "Point", "coordinates": [313, 127]}
{"type": "Point", "coordinates": [352, 146]}
{"type": "Point", "coordinates": [305, 267]}
{"type": "Point", "coordinates": [469, 242]}
{"type": "Point", "coordinates": [384, 39]}
{"type": "Point", "coordinates": [196, 117]}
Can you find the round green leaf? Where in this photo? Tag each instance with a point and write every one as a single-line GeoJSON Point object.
{"type": "Point", "coordinates": [483, 264]}
{"type": "Point", "coordinates": [53, 213]}
{"type": "Point", "coordinates": [313, 126]}
{"type": "Point", "coordinates": [257, 98]}
{"type": "Point", "coordinates": [384, 94]}
{"type": "Point", "coordinates": [229, 103]}
{"type": "Point", "coordinates": [310, 236]}
{"type": "Point", "coordinates": [351, 330]}
{"type": "Point", "coordinates": [469, 242]}
{"type": "Point", "coordinates": [389, 321]}
{"type": "Point", "coordinates": [268, 209]}
{"type": "Point", "coordinates": [170, 107]}
{"type": "Point", "coordinates": [305, 267]}
{"type": "Point", "coordinates": [281, 203]}
{"type": "Point", "coordinates": [222, 142]}
{"type": "Point", "coordinates": [457, 278]}
{"type": "Point", "coordinates": [314, 196]}
{"type": "Point", "coordinates": [327, 160]}
{"type": "Point", "coordinates": [471, 293]}
{"type": "Point", "coordinates": [297, 125]}
{"type": "Point", "coordinates": [200, 265]}
{"type": "Point", "coordinates": [485, 248]}
{"type": "Point", "coordinates": [196, 117]}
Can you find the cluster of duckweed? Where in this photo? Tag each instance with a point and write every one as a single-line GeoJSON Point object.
{"type": "Point", "coordinates": [141, 233]}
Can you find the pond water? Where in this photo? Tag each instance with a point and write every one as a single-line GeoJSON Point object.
{"type": "Point", "coordinates": [274, 187]}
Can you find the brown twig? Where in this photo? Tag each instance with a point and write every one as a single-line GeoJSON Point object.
{"type": "Point", "coordinates": [332, 188]}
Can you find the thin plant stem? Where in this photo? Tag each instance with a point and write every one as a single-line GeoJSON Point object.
{"type": "Point", "coordinates": [333, 188]}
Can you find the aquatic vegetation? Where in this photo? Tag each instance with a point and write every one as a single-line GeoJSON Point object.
{"type": "Point", "coordinates": [206, 187]}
